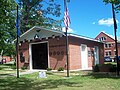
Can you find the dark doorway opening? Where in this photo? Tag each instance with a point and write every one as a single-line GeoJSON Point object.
{"type": "Point", "coordinates": [40, 56]}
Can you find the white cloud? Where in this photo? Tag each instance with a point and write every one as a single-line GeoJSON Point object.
{"type": "Point", "coordinates": [107, 22]}
{"type": "Point", "coordinates": [69, 30]}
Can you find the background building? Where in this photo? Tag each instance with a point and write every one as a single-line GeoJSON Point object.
{"type": "Point", "coordinates": [109, 45]}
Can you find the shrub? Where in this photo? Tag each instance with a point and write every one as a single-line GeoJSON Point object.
{"type": "Point", "coordinates": [60, 69]}
{"type": "Point", "coordinates": [24, 67]}
{"type": "Point", "coordinates": [113, 68]}
{"type": "Point", "coordinates": [96, 68]}
{"type": "Point", "coordinates": [49, 69]}
{"type": "Point", "coordinates": [104, 68]}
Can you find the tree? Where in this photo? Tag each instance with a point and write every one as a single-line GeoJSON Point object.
{"type": "Point", "coordinates": [116, 2]}
{"type": "Point", "coordinates": [39, 13]}
{"type": "Point", "coordinates": [32, 13]}
{"type": "Point", "coordinates": [7, 25]}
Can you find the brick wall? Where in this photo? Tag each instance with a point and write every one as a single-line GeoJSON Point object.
{"type": "Point", "coordinates": [24, 48]}
{"type": "Point", "coordinates": [57, 52]}
{"type": "Point", "coordinates": [75, 52]}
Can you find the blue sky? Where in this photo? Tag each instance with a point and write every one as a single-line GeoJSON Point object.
{"type": "Point", "coordinates": [89, 18]}
{"type": "Point", "coordinates": [92, 17]}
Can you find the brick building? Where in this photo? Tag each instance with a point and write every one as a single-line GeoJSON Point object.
{"type": "Point", "coordinates": [109, 45]}
{"type": "Point", "coordinates": [41, 48]}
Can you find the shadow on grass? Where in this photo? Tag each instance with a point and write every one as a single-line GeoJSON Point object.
{"type": "Point", "coordinates": [6, 75]}
{"type": "Point", "coordinates": [22, 83]}
{"type": "Point", "coordinates": [98, 75]}
{"type": "Point", "coordinates": [52, 84]}
{"type": "Point", "coordinates": [12, 83]}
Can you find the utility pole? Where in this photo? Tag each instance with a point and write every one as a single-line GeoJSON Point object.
{"type": "Point", "coordinates": [115, 30]}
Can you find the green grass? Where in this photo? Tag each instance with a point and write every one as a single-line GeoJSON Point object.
{"type": "Point", "coordinates": [81, 80]}
{"type": "Point", "coordinates": [114, 63]}
{"type": "Point", "coordinates": [8, 70]}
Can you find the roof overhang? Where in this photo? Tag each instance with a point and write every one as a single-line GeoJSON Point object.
{"type": "Point", "coordinates": [40, 32]}
{"type": "Point", "coordinates": [84, 37]}
{"type": "Point", "coordinates": [46, 33]}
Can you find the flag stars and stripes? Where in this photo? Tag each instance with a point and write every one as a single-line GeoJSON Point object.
{"type": "Point", "coordinates": [66, 18]}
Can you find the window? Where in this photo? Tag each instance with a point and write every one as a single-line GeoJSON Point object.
{"type": "Point", "coordinates": [108, 45]}
{"type": "Point", "coordinates": [108, 53]}
{"type": "Point", "coordinates": [102, 38]}
{"type": "Point", "coordinates": [89, 53]}
{"type": "Point", "coordinates": [115, 53]}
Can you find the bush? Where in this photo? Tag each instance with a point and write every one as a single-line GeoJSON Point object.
{"type": "Point", "coordinates": [49, 69]}
{"type": "Point", "coordinates": [113, 68]}
{"type": "Point", "coordinates": [96, 68]}
{"type": "Point", "coordinates": [24, 67]}
{"type": "Point", "coordinates": [60, 69]}
{"type": "Point", "coordinates": [104, 68]}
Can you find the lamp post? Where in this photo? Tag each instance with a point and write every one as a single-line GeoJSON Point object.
{"type": "Point", "coordinates": [17, 46]}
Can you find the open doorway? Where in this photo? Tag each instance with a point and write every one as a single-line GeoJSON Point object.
{"type": "Point", "coordinates": [40, 56]}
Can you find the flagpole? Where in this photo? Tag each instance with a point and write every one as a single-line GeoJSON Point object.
{"type": "Point", "coordinates": [17, 47]}
{"type": "Point", "coordinates": [115, 30]}
{"type": "Point", "coordinates": [67, 58]}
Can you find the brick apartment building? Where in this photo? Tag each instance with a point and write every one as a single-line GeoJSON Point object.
{"type": "Point", "coordinates": [109, 45]}
{"type": "Point", "coordinates": [42, 48]}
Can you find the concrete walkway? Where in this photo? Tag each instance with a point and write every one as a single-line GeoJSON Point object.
{"type": "Point", "coordinates": [26, 72]}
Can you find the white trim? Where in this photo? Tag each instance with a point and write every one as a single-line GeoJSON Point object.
{"type": "Point", "coordinates": [37, 27]}
{"type": "Point", "coordinates": [110, 42]}
{"type": "Point", "coordinates": [30, 57]}
{"type": "Point", "coordinates": [40, 28]}
{"type": "Point", "coordinates": [96, 55]}
{"type": "Point", "coordinates": [30, 53]}
{"type": "Point", "coordinates": [83, 37]}
{"type": "Point", "coordinates": [48, 55]}
{"type": "Point", "coordinates": [107, 50]}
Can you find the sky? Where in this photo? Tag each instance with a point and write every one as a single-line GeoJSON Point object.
{"type": "Point", "coordinates": [90, 17]}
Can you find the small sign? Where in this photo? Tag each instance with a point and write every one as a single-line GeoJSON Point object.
{"type": "Point", "coordinates": [42, 74]}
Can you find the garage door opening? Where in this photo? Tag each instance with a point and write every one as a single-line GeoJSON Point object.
{"type": "Point", "coordinates": [40, 56]}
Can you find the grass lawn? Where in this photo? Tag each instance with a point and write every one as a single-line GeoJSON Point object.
{"type": "Point", "coordinates": [81, 80]}
{"type": "Point", "coordinates": [114, 63]}
{"type": "Point", "coordinates": [8, 69]}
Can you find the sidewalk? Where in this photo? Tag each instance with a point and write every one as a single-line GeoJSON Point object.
{"type": "Point", "coordinates": [26, 72]}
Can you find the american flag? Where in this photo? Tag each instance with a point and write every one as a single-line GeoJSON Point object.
{"type": "Point", "coordinates": [66, 16]}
